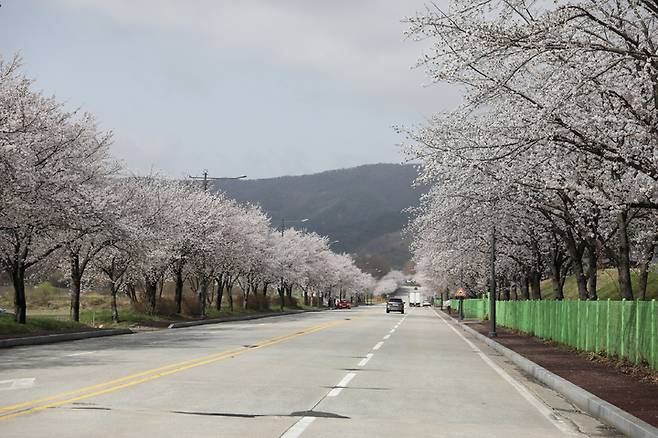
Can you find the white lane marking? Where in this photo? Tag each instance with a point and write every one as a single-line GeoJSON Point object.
{"type": "Point", "coordinates": [365, 360]}
{"type": "Point", "coordinates": [386, 337]}
{"type": "Point", "coordinates": [342, 384]}
{"type": "Point", "coordinates": [392, 331]}
{"type": "Point", "coordinates": [84, 353]}
{"type": "Point", "coordinates": [298, 428]}
{"type": "Point", "coordinates": [378, 345]}
{"type": "Point", "coordinates": [525, 393]}
{"type": "Point", "coordinates": [6, 385]}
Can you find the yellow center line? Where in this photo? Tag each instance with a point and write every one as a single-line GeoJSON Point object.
{"type": "Point", "coordinates": [148, 375]}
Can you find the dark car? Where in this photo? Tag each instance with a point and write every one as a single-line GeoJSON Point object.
{"type": "Point", "coordinates": [343, 304]}
{"type": "Point", "coordinates": [395, 305]}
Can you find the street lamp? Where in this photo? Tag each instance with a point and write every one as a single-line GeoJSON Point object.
{"type": "Point", "coordinates": [203, 289]}
{"type": "Point", "coordinates": [206, 178]}
{"type": "Point", "coordinates": [492, 290]}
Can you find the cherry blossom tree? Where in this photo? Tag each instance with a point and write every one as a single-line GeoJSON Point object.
{"type": "Point", "coordinates": [53, 161]}
{"type": "Point", "coordinates": [557, 129]}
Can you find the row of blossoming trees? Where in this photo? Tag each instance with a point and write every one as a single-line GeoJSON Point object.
{"type": "Point", "coordinates": [64, 205]}
{"type": "Point", "coordinates": [554, 149]}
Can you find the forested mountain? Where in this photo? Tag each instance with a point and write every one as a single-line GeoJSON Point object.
{"type": "Point", "coordinates": [361, 207]}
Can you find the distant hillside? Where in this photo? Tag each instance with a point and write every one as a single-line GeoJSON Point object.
{"type": "Point", "coordinates": [360, 207]}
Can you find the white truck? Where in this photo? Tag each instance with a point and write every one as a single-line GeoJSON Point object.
{"type": "Point", "coordinates": [414, 299]}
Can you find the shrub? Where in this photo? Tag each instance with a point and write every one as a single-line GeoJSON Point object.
{"type": "Point", "coordinates": [190, 305]}
{"type": "Point", "coordinates": [94, 300]}
{"type": "Point", "coordinates": [42, 295]}
{"type": "Point", "coordinates": [165, 306]}
{"type": "Point", "coordinates": [258, 302]}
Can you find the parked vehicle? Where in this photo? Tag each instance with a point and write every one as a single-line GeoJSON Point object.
{"type": "Point", "coordinates": [343, 304]}
{"type": "Point", "coordinates": [395, 305]}
{"type": "Point", "coordinates": [414, 299]}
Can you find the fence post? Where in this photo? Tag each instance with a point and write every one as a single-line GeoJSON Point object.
{"type": "Point", "coordinates": [587, 326]}
{"type": "Point", "coordinates": [597, 336]}
{"type": "Point", "coordinates": [622, 347]}
{"type": "Point", "coordinates": [579, 334]}
{"type": "Point", "coordinates": [636, 305]}
{"type": "Point", "coordinates": [607, 327]}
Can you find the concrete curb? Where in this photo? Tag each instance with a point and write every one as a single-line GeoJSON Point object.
{"type": "Point", "coordinates": [61, 337]}
{"type": "Point", "coordinates": [598, 408]}
{"type": "Point", "coordinates": [176, 325]}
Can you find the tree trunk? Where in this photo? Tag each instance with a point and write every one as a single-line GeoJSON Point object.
{"type": "Point", "coordinates": [178, 293]}
{"type": "Point", "coordinates": [130, 292]}
{"type": "Point", "coordinates": [576, 256]}
{"type": "Point", "coordinates": [220, 293]}
{"type": "Point", "coordinates": [592, 272]}
{"type": "Point", "coordinates": [623, 261]}
{"type": "Point", "coordinates": [18, 279]}
{"type": "Point", "coordinates": [211, 291]}
{"type": "Point", "coordinates": [265, 305]}
{"type": "Point", "coordinates": [535, 285]}
{"type": "Point", "coordinates": [556, 280]}
{"type": "Point", "coordinates": [644, 263]}
{"type": "Point", "coordinates": [151, 295]}
{"type": "Point", "coordinates": [76, 280]}
{"type": "Point", "coordinates": [556, 275]}
{"type": "Point", "coordinates": [525, 287]}
{"type": "Point", "coordinates": [245, 295]}
{"type": "Point", "coordinates": [281, 291]}
{"type": "Point", "coordinates": [229, 293]}
{"type": "Point", "coordinates": [504, 286]}
{"type": "Point", "coordinates": [113, 303]}
{"type": "Point", "coordinates": [203, 296]}
{"type": "Point", "coordinates": [642, 281]}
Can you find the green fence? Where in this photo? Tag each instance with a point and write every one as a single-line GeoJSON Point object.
{"type": "Point", "coordinates": [625, 329]}
{"type": "Point", "coordinates": [473, 309]}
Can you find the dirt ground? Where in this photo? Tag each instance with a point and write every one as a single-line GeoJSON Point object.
{"type": "Point", "coordinates": [635, 393]}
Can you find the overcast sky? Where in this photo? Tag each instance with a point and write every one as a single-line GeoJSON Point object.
{"type": "Point", "coordinates": [261, 87]}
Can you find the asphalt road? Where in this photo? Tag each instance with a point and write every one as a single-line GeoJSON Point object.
{"type": "Point", "coordinates": [351, 373]}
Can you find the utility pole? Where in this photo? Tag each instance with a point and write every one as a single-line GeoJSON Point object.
{"type": "Point", "coordinates": [205, 178]}
{"type": "Point", "coordinates": [283, 224]}
{"type": "Point", "coordinates": [203, 288]}
{"type": "Point", "coordinates": [492, 289]}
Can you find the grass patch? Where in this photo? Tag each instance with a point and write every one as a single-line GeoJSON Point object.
{"type": "Point", "coordinates": [126, 317]}
{"type": "Point", "coordinates": [607, 286]}
{"type": "Point", "coordinates": [48, 309]}
{"type": "Point", "coordinates": [225, 311]}
{"type": "Point", "coordinates": [36, 324]}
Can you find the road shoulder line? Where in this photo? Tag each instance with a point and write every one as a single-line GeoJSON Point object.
{"type": "Point", "coordinates": [588, 402]}
{"type": "Point", "coordinates": [548, 413]}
